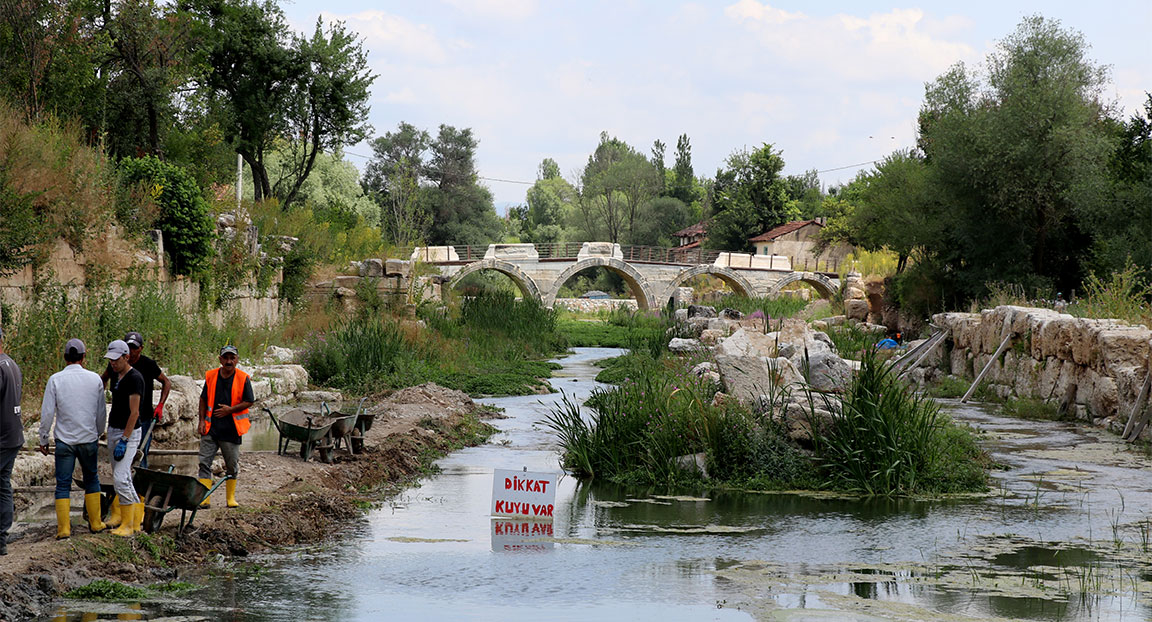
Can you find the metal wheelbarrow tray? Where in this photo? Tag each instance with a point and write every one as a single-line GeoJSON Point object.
{"type": "Point", "coordinates": [165, 491]}
{"type": "Point", "coordinates": [311, 431]}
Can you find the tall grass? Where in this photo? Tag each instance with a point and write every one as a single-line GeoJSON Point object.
{"type": "Point", "coordinates": [851, 341]}
{"type": "Point", "coordinates": [182, 341]}
{"type": "Point", "coordinates": [775, 308]}
{"type": "Point", "coordinates": [487, 346]}
{"type": "Point", "coordinates": [1125, 295]}
{"type": "Point", "coordinates": [889, 440]}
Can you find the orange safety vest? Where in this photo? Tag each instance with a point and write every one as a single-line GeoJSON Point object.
{"type": "Point", "coordinates": [240, 418]}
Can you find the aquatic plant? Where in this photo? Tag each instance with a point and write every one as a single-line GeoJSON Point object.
{"type": "Point", "coordinates": [889, 440]}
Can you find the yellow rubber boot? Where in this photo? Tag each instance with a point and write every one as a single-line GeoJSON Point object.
{"type": "Point", "coordinates": [128, 523]}
{"type": "Point", "coordinates": [63, 520]}
{"type": "Point", "coordinates": [92, 508]}
{"type": "Point", "coordinates": [114, 514]}
{"type": "Point", "coordinates": [137, 518]}
{"type": "Point", "coordinates": [206, 503]}
{"type": "Point", "coordinates": [230, 488]}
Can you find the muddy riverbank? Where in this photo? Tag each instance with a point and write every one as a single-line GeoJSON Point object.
{"type": "Point", "coordinates": [284, 502]}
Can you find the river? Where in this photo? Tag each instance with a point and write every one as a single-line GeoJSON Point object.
{"type": "Point", "coordinates": [1064, 535]}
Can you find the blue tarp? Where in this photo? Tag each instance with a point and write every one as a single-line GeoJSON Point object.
{"type": "Point", "coordinates": [887, 344]}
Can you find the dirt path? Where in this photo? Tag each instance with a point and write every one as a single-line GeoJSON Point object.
{"type": "Point", "coordinates": [284, 501]}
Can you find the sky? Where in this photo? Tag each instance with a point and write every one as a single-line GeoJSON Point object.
{"type": "Point", "coordinates": [830, 84]}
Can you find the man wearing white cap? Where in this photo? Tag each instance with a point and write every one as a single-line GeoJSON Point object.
{"type": "Point", "coordinates": [124, 436]}
{"type": "Point", "coordinates": [74, 401]}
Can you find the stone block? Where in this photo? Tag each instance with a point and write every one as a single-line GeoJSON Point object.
{"type": "Point", "coordinates": [711, 337]}
{"type": "Point", "coordinates": [747, 343]}
{"type": "Point", "coordinates": [286, 379]}
{"type": "Point", "coordinates": [599, 249]}
{"type": "Point", "coordinates": [397, 268]}
{"type": "Point", "coordinates": [746, 378]}
{"type": "Point", "coordinates": [684, 346]}
{"type": "Point", "coordinates": [701, 311]}
{"type": "Point", "coordinates": [349, 282]}
{"type": "Point", "coordinates": [512, 252]}
{"type": "Point", "coordinates": [828, 372]}
{"type": "Point", "coordinates": [856, 309]}
{"type": "Point", "coordinates": [372, 268]}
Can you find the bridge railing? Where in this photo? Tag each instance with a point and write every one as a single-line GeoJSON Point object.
{"type": "Point", "coordinates": [644, 254]}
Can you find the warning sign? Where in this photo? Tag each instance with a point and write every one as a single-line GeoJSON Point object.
{"type": "Point", "coordinates": [524, 494]}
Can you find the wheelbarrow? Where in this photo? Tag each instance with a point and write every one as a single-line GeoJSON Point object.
{"type": "Point", "coordinates": [165, 491]}
{"type": "Point", "coordinates": [364, 421]}
{"type": "Point", "coordinates": [311, 431]}
{"type": "Point", "coordinates": [343, 425]}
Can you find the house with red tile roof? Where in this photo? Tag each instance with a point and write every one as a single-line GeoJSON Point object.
{"type": "Point", "coordinates": [797, 240]}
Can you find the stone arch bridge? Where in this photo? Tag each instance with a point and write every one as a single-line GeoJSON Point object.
{"type": "Point", "coordinates": [653, 274]}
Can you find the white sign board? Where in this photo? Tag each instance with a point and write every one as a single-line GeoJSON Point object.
{"type": "Point", "coordinates": [523, 494]}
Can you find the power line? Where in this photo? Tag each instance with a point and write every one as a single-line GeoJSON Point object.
{"type": "Point", "coordinates": [840, 168]}
{"type": "Point", "coordinates": [508, 181]}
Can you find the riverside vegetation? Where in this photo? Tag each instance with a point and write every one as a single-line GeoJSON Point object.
{"type": "Point", "coordinates": [887, 440]}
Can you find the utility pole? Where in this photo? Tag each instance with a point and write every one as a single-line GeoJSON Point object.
{"type": "Point", "coordinates": [239, 178]}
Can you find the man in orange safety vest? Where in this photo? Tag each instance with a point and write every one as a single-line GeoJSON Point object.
{"type": "Point", "coordinates": [224, 405]}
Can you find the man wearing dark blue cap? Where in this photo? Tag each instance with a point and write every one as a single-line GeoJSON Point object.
{"type": "Point", "coordinates": [74, 405]}
{"type": "Point", "coordinates": [11, 437]}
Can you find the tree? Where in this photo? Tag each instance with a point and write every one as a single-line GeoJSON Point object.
{"type": "Point", "coordinates": [615, 183]}
{"type": "Point", "coordinates": [548, 199]}
{"type": "Point", "coordinates": [749, 197]}
{"type": "Point", "coordinates": [1017, 156]}
{"type": "Point", "coordinates": [151, 55]}
{"type": "Point", "coordinates": [462, 210]}
{"type": "Point", "coordinates": [393, 177]}
{"type": "Point", "coordinates": [49, 57]}
{"type": "Point", "coordinates": [804, 194]}
{"type": "Point", "coordinates": [253, 71]}
{"type": "Point", "coordinates": [658, 148]}
{"type": "Point", "coordinates": [328, 105]}
{"type": "Point", "coordinates": [683, 184]}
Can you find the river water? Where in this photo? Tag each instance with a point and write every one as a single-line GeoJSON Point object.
{"type": "Point", "coordinates": [1064, 535]}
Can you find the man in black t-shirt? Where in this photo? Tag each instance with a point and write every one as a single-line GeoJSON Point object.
{"type": "Point", "coordinates": [152, 373]}
{"type": "Point", "coordinates": [11, 437]}
{"type": "Point", "coordinates": [224, 405]}
{"type": "Point", "coordinates": [124, 424]}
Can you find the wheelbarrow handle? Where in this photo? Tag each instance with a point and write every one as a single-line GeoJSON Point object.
{"type": "Point", "coordinates": [324, 407]}
{"type": "Point", "coordinates": [360, 406]}
{"type": "Point", "coordinates": [217, 485]}
{"type": "Point", "coordinates": [275, 421]}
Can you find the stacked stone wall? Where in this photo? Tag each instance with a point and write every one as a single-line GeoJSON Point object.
{"type": "Point", "coordinates": [1095, 368]}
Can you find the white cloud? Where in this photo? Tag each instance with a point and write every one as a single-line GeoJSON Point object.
{"type": "Point", "coordinates": [899, 44]}
{"type": "Point", "coordinates": [389, 34]}
{"type": "Point", "coordinates": [500, 9]}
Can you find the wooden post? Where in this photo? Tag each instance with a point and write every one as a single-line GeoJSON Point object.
{"type": "Point", "coordinates": [1136, 419]}
{"type": "Point", "coordinates": [987, 366]}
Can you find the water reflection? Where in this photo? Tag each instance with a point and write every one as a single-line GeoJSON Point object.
{"type": "Point", "coordinates": [619, 552]}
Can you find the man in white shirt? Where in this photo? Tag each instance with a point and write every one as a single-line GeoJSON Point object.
{"type": "Point", "coordinates": [74, 398]}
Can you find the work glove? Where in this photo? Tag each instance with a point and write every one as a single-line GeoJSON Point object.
{"type": "Point", "coordinates": [121, 448]}
{"type": "Point", "coordinates": [159, 412]}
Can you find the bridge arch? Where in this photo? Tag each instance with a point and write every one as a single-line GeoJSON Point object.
{"type": "Point", "coordinates": [823, 285]}
{"type": "Point", "coordinates": [636, 281]}
{"type": "Point", "coordinates": [526, 285]}
{"type": "Point", "coordinates": [735, 280]}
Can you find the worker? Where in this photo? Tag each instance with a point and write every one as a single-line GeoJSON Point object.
{"type": "Point", "coordinates": [74, 402]}
{"type": "Point", "coordinates": [224, 405]}
{"type": "Point", "coordinates": [11, 437]}
{"type": "Point", "coordinates": [152, 373]}
{"type": "Point", "coordinates": [124, 436]}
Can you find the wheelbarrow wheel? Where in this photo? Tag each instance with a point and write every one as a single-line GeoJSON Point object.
{"type": "Point", "coordinates": [356, 441]}
{"type": "Point", "coordinates": [305, 451]}
{"type": "Point", "coordinates": [327, 452]}
{"type": "Point", "coordinates": [153, 518]}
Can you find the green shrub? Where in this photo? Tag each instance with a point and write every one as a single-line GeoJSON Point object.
{"type": "Point", "coordinates": [775, 308]}
{"type": "Point", "coordinates": [753, 451]}
{"type": "Point", "coordinates": [103, 589]}
{"type": "Point", "coordinates": [185, 218]}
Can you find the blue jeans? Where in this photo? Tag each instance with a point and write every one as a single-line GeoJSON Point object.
{"type": "Point", "coordinates": [66, 458]}
{"type": "Point", "coordinates": [7, 459]}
